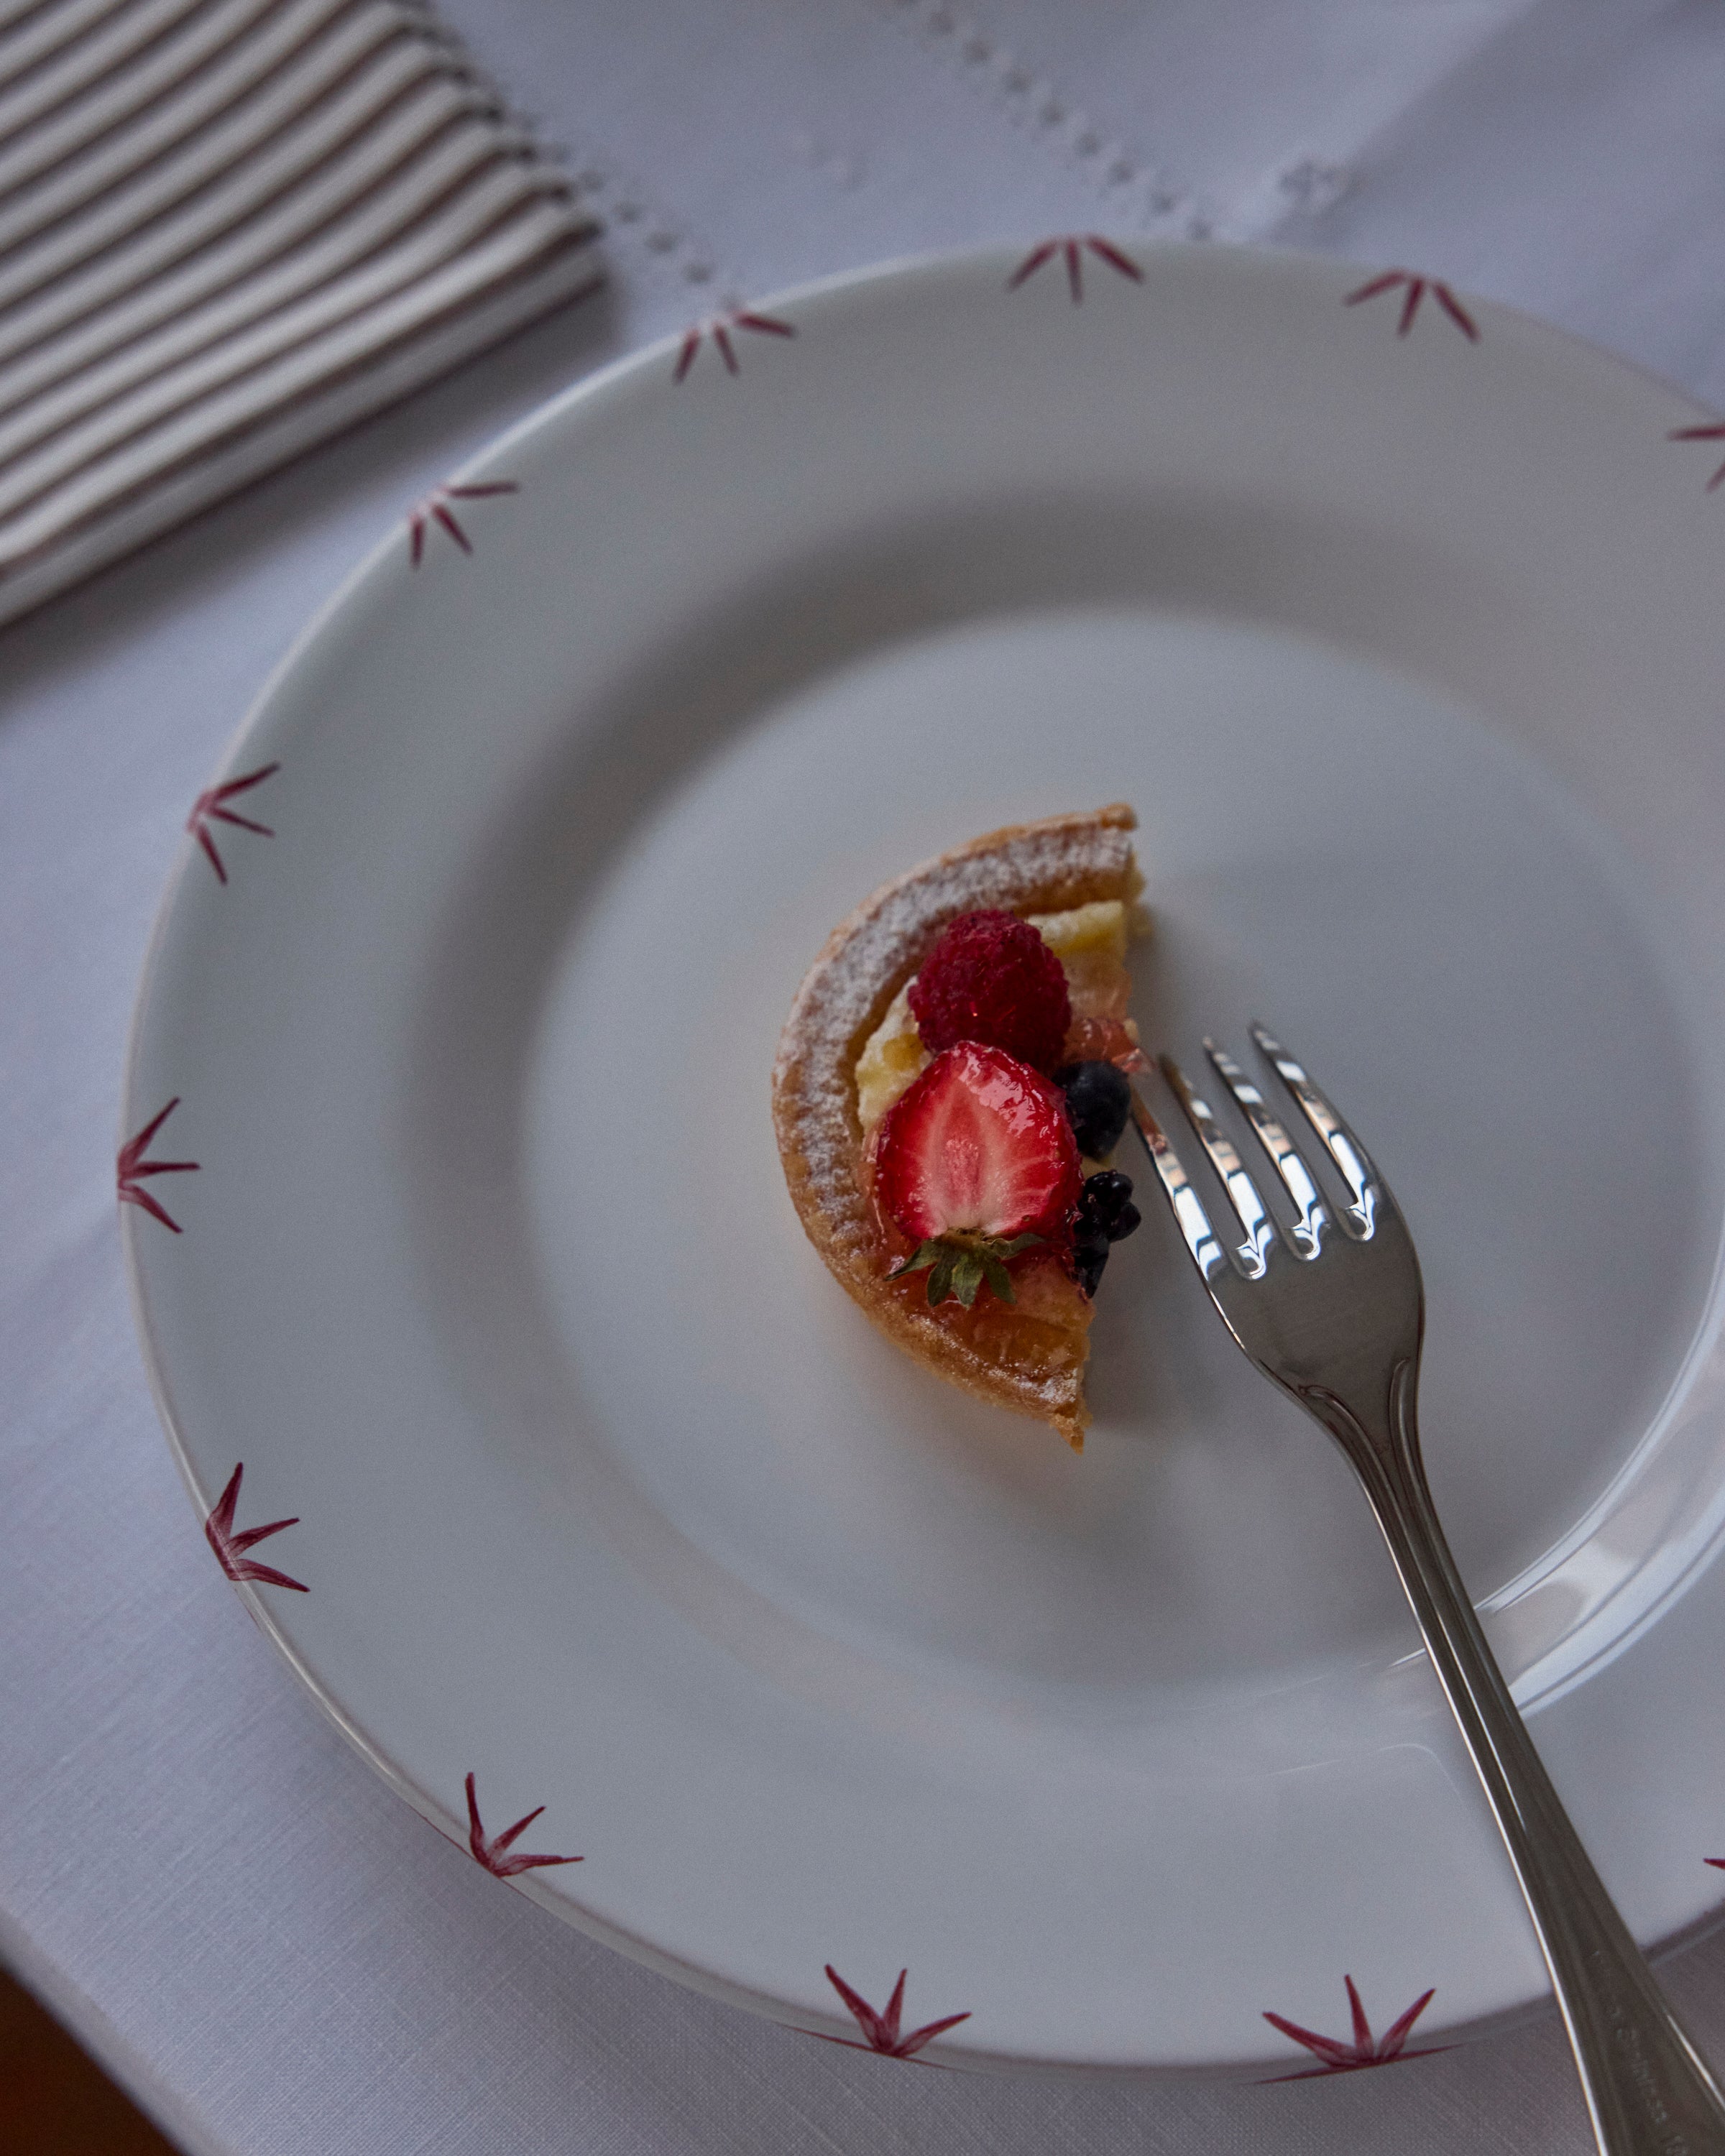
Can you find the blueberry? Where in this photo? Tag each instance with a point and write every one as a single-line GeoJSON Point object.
{"type": "Point", "coordinates": [1098, 1101]}
{"type": "Point", "coordinates": [1125, 1220]}
{"type": "Point", "coordinates": [1088, 1260]}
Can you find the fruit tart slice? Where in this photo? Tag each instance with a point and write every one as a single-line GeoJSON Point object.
{"type": "Point", "coordinates": [949, 1086]}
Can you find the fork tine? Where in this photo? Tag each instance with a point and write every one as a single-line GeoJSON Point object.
{"type": "Point", "coordinates": [1308, 1229]}
{"type": "Point", "coordinates": [1184, 1201]}
{"type": "Point", "coordinates": [1359, 1218]}
{"type": "Point", "coordinates": [1253, 1254]}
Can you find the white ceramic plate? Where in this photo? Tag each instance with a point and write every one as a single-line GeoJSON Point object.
{"type": "Point", "coordinates": [1409, 649]}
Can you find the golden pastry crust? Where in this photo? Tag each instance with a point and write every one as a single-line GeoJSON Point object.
{"type": "Point", "coordinates": [1030, 1355]}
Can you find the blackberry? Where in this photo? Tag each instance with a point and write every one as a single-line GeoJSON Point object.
{"type": "Point", "coordinates": [1106, 1215]}
{"type": "Point", "coordinates": [1105, 1212]}
{"type": "Point", "coordinates": [1088, 1260]}
{"type": "Point", "coordinates": [1099, 1099]}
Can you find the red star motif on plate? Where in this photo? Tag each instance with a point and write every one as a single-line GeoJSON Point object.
{"type": "Point", "coordinates": [718, 328]}
{"type": "Point", "coordinates": [1073, 251]}
{"type": "Point", "coordinates": [1718, 1863]}
{"type": "Point", "coordinates": [492, 1853]}
{"type": "Point", "coordinates": [1337, 2056]}
{"type": "Point", "coordinates": [881, 2031]}
{"type": "Point", "coordinates": [214, 803]}
{"type": "Point", "coordinates": [1702, 434]}
{"type": "Point", "coordinates": [1416, 289]}
{"type": "Point", "coordinates": [230, 1548]}
{"type": "Point", "coordinates": [131, 1168]}
{"type": "Point", "coordinates": [435, 510]}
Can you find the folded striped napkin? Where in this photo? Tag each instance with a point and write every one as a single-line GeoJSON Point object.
{"type": "Point", "coordinates": [229, 228]}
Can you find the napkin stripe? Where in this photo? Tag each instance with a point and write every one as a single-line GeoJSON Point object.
{"type": "Point", "coordinates": [125, 122]}
{"type": "Point", "coordinates": [253, 182]}
{"type": "Point", "coordinates": [229, 228]}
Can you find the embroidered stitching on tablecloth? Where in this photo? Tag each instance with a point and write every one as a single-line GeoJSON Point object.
{"type": "Point", "coordinates": [628, 211]}
{"type": "Point", "coordinates": [1139, 193]}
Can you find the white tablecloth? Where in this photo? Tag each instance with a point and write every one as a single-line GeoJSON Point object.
{"type": "Point", "coordinates": [270, 1950]}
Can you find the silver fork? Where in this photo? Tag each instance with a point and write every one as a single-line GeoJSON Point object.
{"type": "Point", "coordinates": [1332, 1311]}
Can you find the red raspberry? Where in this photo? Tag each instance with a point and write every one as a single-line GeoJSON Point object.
{"type": "Point", "coordinates": [992, 978]}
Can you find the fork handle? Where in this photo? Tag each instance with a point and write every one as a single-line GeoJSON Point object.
{"type": "Point", "coordinates": [1648, 2090]}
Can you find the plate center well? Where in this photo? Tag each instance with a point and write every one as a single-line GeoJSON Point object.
{"type": "Point", "coordinates": [1326, 845]}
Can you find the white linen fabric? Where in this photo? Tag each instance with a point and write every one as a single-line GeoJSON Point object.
{"type": "Point", "coordinates": [271, 1951]}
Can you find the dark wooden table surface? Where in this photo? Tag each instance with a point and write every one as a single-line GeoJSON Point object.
{"type": "Point", "coordinates": [54, 2100]}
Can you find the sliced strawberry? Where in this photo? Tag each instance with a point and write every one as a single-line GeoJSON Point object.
{"type": "Point", "coordinates": [977, 1160]}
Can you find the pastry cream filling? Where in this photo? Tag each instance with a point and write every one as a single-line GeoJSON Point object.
{"type": "Point", "coordinates": [1089, 941]}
